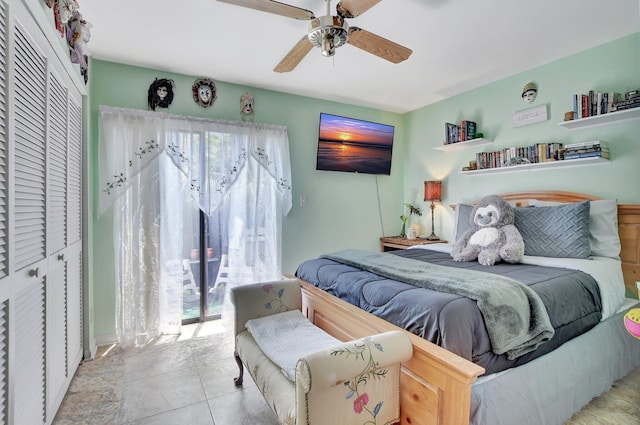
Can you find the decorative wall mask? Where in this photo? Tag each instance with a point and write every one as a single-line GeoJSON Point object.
{"type": "Point", "coordinates": [247, 107]}
{"type": "Point", "coordinates": [529, 92]}
{"type": "Point", "coordinates": [204, 92]}
{"type": "Point", "coordinates": [160, 93]}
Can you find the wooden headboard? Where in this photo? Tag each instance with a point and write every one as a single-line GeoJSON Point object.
{"type": "Point", "coordinates": [628, 227]}
{"type": "Point", "coordinates": [629, 230]}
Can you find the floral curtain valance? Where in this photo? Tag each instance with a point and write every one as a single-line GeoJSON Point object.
{"type": "Point", "coordinates": [210, 152]}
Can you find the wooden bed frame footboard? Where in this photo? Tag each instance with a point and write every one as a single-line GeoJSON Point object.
{"type": "Point", "coordinates": [435, 385]}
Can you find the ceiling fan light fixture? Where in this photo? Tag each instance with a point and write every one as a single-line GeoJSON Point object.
{"type": "Point", "coordinates": [328, 33]}
{"type": "Point", "coordinates": [328, 45]}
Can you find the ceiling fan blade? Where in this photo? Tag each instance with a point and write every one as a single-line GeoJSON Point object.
{"type": "Point", "coordinates": [274, 7]}
{"type": "Point", "coordinates": [353, 8]}
{"type": "Point", "coordinates": [295, 55]}
{"type": "Point", "coordinates": [379, 46]}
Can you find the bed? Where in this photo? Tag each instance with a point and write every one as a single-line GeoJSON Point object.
{"type": "Point", "coordinates": [545, 385]}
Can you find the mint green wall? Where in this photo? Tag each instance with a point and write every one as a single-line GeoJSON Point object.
{"type": "Point", "coordinates": [611, 67]}
{"type": "Point", "coordinates": [341, 210]}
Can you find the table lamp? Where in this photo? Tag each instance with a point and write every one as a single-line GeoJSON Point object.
{"type": "Point", "coordinates": [432, 192]}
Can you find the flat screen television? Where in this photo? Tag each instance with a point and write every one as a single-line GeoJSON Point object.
{"type": "Point", "coordinates": [352, 145]}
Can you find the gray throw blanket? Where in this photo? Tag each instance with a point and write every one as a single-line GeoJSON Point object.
{"type": "Point", "coordinates": [515, 317]}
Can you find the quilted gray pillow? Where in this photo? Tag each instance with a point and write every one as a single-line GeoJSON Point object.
{"type": "Point", "coordinates": [557, 231]}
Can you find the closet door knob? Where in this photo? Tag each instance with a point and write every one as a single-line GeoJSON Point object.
{"type": "Point", "coordinates": [34, 272]}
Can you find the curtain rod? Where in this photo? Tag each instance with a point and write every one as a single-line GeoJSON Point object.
{"type": "Point", "coordinates": [140, 112]}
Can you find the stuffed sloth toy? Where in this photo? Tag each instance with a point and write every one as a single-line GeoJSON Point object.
{"type": "Point", "coordinates": [493, 237]}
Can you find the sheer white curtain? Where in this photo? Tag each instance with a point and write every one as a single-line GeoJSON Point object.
{"type": "Point", "coordinates": [148, 161]}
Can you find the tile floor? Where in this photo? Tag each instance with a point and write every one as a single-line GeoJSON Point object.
{"type": "Point", "coordinates": [185, 380]}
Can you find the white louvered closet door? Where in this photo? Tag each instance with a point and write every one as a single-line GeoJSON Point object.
{"type": "Point", "coordinates": [57, 240]}
{"type": "Point", "coordinates": [74, 234]}
{"type": "Point", "coordinates": [41, 139]}
{"type": "Point", "coordinates": [4, 221]}
{"type": "Point", "coordinates": [64, 224]}
{"type": "Point", "coordinates": [30, 90]}
{"type": "Point", "coordinates": [29, 198]}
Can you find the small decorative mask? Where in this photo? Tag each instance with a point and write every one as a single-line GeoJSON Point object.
{"type": "Point", "coordinates": [529, 92]}
{"type": "Point", "coordinates": [247, 107]}
{"type": "Point", "coordinates": [204, 92]}
{"type": "Point", "coordinates": [160, 93]}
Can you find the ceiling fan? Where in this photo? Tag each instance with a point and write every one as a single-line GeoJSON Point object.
{"type": "Point", "coordinates": [329, 32]}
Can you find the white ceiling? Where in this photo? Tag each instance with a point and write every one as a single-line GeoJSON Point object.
{"type": "Point", "coordinates": [457, 44]}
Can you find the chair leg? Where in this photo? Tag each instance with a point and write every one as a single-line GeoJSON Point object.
{"type": "Point", "coordinates": [238, 380]}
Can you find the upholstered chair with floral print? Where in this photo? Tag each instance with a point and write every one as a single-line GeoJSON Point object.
{"type": "Point", "coordinates": [354, 383]}
{"type": "Point", "coordinates": [307, 376]}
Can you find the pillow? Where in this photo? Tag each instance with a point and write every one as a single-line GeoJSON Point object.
{"type": "Point", "coordinates": [462, 220]}
{"type": "Point", "coordinates": [603, 226]}
{"type": "Point", "coordinates": [555, 231]}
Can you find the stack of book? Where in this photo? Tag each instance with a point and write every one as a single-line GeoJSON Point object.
{"type": "Point", "coordinates": [454, 133]}
{"type": "Point", "coordinates": [631, 100]}
{"type": "Point", "coordinates": [593, 149]}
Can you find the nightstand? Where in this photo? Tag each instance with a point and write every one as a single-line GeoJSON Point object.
{"type": "Point", "coordinates": [392, 243]}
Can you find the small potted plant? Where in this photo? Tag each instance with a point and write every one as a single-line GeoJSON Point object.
{"type": "Point", "coordinates": [413, 210]}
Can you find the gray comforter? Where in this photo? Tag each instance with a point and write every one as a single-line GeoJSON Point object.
{"type": "Point", "coordinates": [571, 298]}
{"type": "Point", "coordinates": [514, 315]}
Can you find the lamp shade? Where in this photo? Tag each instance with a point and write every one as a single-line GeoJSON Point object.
{"type": "Point", "coordinates": [432, 190]}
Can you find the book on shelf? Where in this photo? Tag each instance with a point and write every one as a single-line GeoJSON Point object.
{"type": "Point", "coordinates": [462, 132]}
{"type": "Point", "coordinates": [539, 152]}
{"type": "Point", "coordinates": [632, 94]}
{"type": "Point", "coordinates": [594, 154]}
{"type": "Point", "coordinates": [596, 103]}
{"type": "Point", "coordinates": [572, 151]}
{"type": "Point", "coordinates": [468, 129]}
{"type": "Point", "coordinates": [627, 104]}
{"type": "Point", "coordinates": [451, 133]}
{"type": "Point", "coordinates": [595, 146]}
{"type": "Point", "coordinates": [587, 144]}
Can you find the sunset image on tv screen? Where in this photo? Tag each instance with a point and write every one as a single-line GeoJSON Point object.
{"type": "Point", "coordinates": [351, 145]}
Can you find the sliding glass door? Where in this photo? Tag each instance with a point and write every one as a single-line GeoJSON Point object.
{"type": "Point", "coordinates": [204, 264]}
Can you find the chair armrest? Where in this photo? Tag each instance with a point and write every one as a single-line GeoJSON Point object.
{"type": "Point", "coordinates": [263, 299]}
{"type": "Point", "coordinates": [324, 369]}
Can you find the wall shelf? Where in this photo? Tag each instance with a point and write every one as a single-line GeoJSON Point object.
{"type": "Point", "coordinates": [604, 119]}
{"type": "Point", "coordinates": [539, 166]}
{"type": "Point", "coordinates": [467, 144]}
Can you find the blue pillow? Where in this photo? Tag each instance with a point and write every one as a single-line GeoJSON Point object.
{"type": "Point", "coordinates": [555, 231]}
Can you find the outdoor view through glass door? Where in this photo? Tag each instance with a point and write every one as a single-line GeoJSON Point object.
{"type": "Point", "coordinates": [204, 264]}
